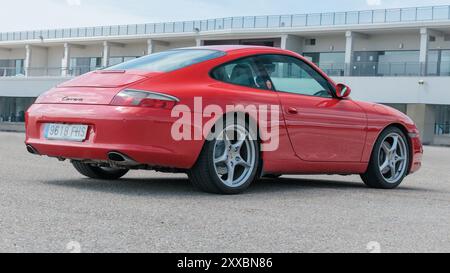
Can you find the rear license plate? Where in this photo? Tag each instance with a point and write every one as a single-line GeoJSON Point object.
{"type": "Point", "coordinates": [69, 132]}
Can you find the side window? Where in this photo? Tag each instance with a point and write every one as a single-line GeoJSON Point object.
{"type": "Point", "coordinates": [289, 74]}
{"type": "Point", "coordinates": [244, 72]}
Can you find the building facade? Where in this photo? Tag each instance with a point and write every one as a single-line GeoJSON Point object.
{"type": "Point", "coordinates": [398, 57]}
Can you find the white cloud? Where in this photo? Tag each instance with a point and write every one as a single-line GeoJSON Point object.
{"type": "Point", "coordinates": [374, 2]}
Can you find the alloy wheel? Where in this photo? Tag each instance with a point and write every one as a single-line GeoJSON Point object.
{"type": "Point", "coordinates": [234, 156]}
{"type": "Point", "coordinates": [393, 158]}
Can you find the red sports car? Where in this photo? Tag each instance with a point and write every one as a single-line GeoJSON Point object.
{"type": "Point", "coordinates": [226, 116]}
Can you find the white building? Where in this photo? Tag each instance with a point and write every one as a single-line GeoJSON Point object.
{"type": "Point", "coordinates": [399, 57]}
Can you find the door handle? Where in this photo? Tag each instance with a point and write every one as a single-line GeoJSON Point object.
{"type": "Point", "coordinates": [292, 111]}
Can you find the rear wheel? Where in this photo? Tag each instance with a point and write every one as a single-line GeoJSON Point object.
{"type": "Point", "coordinates": [99, 172]}
{"type": "Point", "coordinates": [229, 163]}
{"type": "Point", "coordinates": [390, 160]}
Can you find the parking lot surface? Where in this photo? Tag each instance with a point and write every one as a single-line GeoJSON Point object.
{"type": "Point", "coordinates": [46, 206]}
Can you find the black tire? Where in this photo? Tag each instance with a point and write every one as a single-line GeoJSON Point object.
{"type": "Point", "coordinates": [204, 177]}
{"type": "Point", "coordinates": [374, 177]}
{"type": "Point", "coordinates": [98, 172]}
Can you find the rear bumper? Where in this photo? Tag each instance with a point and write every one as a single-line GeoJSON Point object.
{"type": "Point", "coordinates": [144, 134]}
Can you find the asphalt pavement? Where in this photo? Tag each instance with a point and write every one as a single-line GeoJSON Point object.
{"type": "Point", "coordinates": [46, 206]}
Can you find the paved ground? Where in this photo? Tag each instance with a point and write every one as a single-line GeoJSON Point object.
{"type": "Point", "coordinates": [46, 206]}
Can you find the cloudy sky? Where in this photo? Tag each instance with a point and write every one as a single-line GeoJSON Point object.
{"type": "Point", "coordinates": [43, 14]}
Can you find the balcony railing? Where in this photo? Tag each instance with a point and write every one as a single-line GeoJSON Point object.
{"type": "Point", "coordinates": [11, 71]}
{"type": "Point", "coordinates": [359, 69]}
{"type": "Point", "coordinates": [419, 14]}
{"type": "Point", "coordinates": [45, 71]}
{"type": "Point", "coordinates": [387, 69]}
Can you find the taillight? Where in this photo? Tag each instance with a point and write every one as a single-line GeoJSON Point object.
{"type": "Point", "coordinates": [141, 98]}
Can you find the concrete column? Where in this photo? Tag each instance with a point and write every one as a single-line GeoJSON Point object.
{"type": "Point", "coordinates": [65, 62]}
{"type": "Point", "coordinates": [106, 53]}
{"type": "Point", "coordinates": [27, 61]}
{"type": "Point", "coordinates": [198, 42]}
{"type": "Point", "coordinates": [150, 48]}
{"type": "Point", "coordinates": [424, 117]}
{"type": "Point", "coordinates": [349, 45]}
{"type": "Point", "coordinates": [424, 45]}
{"type": "Point", "coordinates": [292, 43]}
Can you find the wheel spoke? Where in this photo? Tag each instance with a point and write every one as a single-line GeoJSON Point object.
{"type": "Point", "coordinates": [243, 163]}
{"type": "Point", "coordinates": [226, 141]}
{"type": "Point", "coordinates": [394, 143]}
{"type": "Point", "coordinates": [386, 148]}
{"type": "Point", "coordinates": [399, 159]}
{"type": "Point", "coordinates": [231, 167]}
{"type": "Point", "coordinates": [393, 171]}
{"type": "Point", "coordinates": [238, 145]}
{"type": "Point", "coordinates": [384, 166]}
{"type": "Point", "coordinates": [221, 158]}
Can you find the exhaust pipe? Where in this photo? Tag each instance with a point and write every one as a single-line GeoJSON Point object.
{"type": "Point", "coordinates": [121, 159]}
{"type": "Point", "coordinates": [32, 150]}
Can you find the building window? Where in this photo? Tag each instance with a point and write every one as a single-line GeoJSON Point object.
{"type": "Point", "coordinates": [10, 68]}
{"type": "Point", "coordinates": [442, 120]}
{"type": "Point", "coordinates": [79, 66]}
{"type": "Point", "coordinates": [433, 68]}
{"type": "Point", "coordinates": [119, 60]}
{"type": "Point", "coordinates": [445, 63]}
{"type": "Point", "coordinates": [13, 109]}
{"type": "Point", "coordinates": [399, 63]}
{"type": "Point", "coordinates": [386, 63]}
{"type": "Point", "coordinates": [331, 63]}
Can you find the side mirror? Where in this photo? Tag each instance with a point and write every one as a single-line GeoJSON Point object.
{"type": "Point", "coordinates": [343, 91]}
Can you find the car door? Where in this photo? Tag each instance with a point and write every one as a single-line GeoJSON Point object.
{"type": "Point", "coordinates": [321, 128]}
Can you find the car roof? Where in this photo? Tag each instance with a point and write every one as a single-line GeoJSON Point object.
{"type": "Point", "coordinates": [232, 48]}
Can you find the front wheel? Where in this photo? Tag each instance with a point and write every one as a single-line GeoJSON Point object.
{"type": "Point", "coordinates": [229, 163]}
{"type": "Point", "coordinates": [99, 172]}
{"type": "Point", "coordinates": [390, 160]}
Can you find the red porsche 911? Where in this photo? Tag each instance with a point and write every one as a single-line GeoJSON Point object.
{"type": "Point", "coordinates": [226, 116]}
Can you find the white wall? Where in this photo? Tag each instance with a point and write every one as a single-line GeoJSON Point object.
{"type": "Point", "coordinates": [87, 51]}
{"type": "Point", "coordinates": [440, 43]}
{"type": "Point", "coordinates": [129, 50]}
{"type": "Point", "coordinates": [323, 44]}
{"type": "Point", "coordinates": [374, 42]}
{"type": "Point", "coordinates": [293, 43]}
{"type": "Point", "coordinates": [399, 89]}
{"type": "Point", "coordinates": [55, 55]}
{"type": "Point", "coordinates": [39, 61]}
{"type": "Point", "coordinates": [28, 87]}
{"type": "Point", "coordinates": [373, 89]}
{"type": "Point", "coordinates": [382, 42]}
{"type": "Point", "coordinates": [158, 47]}
{"type": "Point", "coordinates": [13, 54]}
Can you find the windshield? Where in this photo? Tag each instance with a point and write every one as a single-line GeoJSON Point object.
{"type": "Point", "coordinates": [169, 60]}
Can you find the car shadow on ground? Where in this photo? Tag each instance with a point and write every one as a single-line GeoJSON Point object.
{"type": "Point", "coordinates": [182, 186]}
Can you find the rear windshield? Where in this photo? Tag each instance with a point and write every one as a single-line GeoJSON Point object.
{"type": "Point", "coordinates": [169, 60]}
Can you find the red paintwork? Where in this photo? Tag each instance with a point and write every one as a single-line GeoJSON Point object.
{"type": "Point", "coordinates": [326, 136]}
